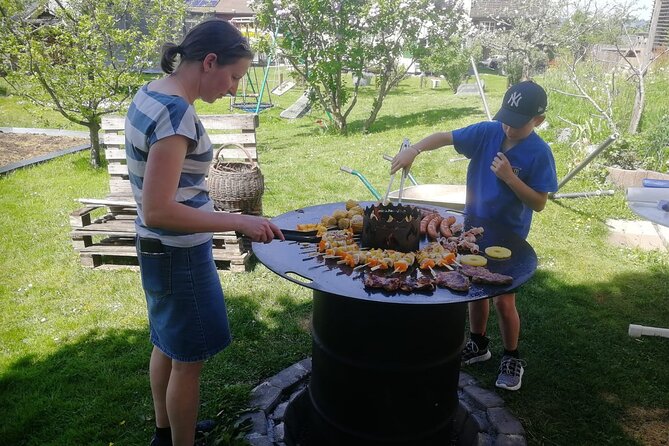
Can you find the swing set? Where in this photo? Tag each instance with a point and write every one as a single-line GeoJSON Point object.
{"type": "Point", "coordinates": [251, 96]}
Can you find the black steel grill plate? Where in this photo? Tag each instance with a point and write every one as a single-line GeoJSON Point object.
{"type": "Point", "coordinates": [288, 260]}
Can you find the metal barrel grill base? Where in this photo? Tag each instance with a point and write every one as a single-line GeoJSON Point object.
{"type": "Point", "coordinates": [382, 374]}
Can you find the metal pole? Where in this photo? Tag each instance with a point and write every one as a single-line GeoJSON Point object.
{"type": "Point", "coordinates": [587, 160]}
{"type": "Point", "coordinates": [597, 193]}
{"type": "Point", "coordinates": [478, 84]}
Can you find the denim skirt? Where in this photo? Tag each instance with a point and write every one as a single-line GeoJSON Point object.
{"type": "Point", "coordinates": [187, 315]}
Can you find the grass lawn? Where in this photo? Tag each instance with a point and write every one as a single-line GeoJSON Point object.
{"type": "Point", "coordinates": [74, 342]}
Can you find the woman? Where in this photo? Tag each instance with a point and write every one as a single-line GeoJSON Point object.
{"type": "Point", "coordinates": [168, 153]}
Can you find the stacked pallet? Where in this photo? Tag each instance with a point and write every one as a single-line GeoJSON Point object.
{"type": "Point", "coordinates": [103, 231]}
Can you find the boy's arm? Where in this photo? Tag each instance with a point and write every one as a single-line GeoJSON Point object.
{"type": "Point", "coordinates": [532, 199]}
{"type": "Point", "coordinates": [406, 157]}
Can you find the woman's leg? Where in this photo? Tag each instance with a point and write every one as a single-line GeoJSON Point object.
{"type": "Point", "coordinates": [160, 368]}
{"type": "Point", "coordinates": [183, 400]}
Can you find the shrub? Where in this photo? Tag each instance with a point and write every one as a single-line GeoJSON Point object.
{"type": "Point", "coordinates": [646, 150]}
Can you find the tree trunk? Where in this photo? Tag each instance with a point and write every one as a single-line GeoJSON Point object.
{"type": "Point", "coordinates": [339, 121]}
{"type": "Point", "coordinates": [93, 130]}
{"type": "Point", "coordinates": [384, 88]}
{"type": "Point", "coordinates": [639, 102]}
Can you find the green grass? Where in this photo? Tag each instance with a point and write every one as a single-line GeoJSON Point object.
{"type": "Point", "coordinates": [74, 341]}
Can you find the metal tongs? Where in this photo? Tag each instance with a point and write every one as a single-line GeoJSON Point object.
{"type": "Point", "coordinates": [405, 172]}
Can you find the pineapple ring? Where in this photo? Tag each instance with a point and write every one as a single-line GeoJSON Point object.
{"type": "Point", "coordinates": [498, 252]}
{"type": "Point", "coordinates": [473, 260]}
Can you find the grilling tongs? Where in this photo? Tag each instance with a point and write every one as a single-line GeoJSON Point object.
{"type": "Point", "coordinates": [405, 172]}
{"type": "Point", "coordinates": [301, 236]}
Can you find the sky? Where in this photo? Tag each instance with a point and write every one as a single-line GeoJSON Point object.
{"type": "Point", "coordinates": [645, 7]}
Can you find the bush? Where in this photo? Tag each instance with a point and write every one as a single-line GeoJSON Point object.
{"type": "Point", "coordinates": [647, 150]}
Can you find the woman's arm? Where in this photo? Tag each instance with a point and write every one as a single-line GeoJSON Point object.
{"type": "Point", "coordinates": [161, 180]}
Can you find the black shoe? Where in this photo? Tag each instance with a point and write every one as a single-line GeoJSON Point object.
{"type": "Point", "coordinates": [472, 354]}
{"type": "Point", "coordinates": [156, 442]}
{"type": "Point", "coordinates": [202, 428]}
{"type": "Point", "coordinates": [205, 426]}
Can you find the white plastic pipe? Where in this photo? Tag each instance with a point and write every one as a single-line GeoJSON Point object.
{"type": "Point", "coordinates": [636, 331]}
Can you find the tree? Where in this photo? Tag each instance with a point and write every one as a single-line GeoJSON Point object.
{"type": "Point", "coordinates": [88, 60]}
{"type": "Point", "coordinates": [405, 28]}
{"type": "Point", "coordinates": [451, 59]}
{"type": "Point", "coordinates": [322, 40]}
{"type": "Point", "coordinates": [531, 32]}
{"type": "Point", "coordinates": [591, 79]}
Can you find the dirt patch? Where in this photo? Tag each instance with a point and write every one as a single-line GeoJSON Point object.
{"type": "Point", "coordinates": [15, 147]}
{"type": "Point", "coordinates": [648, 426]}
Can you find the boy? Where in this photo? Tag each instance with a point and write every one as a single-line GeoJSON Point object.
{"type": "Point", "coordinates": [510, 174]}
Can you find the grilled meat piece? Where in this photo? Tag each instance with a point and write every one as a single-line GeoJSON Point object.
{"type": "Point", "coordinates": [424, 283]}
{"type": "Point", "coordinates": [408, 284]}
{"type": "Point", "coordinates": [453, 280]}
{"type": "Point", "coordinates": [390, 284]}
{"type": "Point", "coordinates": [480, 274]}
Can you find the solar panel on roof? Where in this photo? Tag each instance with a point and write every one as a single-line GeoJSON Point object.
{"type": "Point", "coordinates": [201, 3]}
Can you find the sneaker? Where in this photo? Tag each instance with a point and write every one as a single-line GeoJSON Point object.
{"type": "Point", "coordinates": [510, 373]}
{"type": "Point", "coordinates": [472, 354]}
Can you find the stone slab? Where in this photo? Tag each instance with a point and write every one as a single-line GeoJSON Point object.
{"type": "Point", "coordinates": [469, 89]}
{"type": "Point", "coordinates": [632, 178]}
{"type": "Point", "coordinates": [640, 234]}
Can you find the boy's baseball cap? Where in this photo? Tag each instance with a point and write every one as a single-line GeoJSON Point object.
{"type": "Point", "coordinates": [521, 103]}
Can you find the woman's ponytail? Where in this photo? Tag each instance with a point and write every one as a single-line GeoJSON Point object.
{"type": "Point", "coordinates": [170, 51]}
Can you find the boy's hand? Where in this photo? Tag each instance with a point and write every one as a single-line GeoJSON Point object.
{"type": "Point", "coordinates": [403, 159]}
{"type": "Point", "coordinates": [502, 167]}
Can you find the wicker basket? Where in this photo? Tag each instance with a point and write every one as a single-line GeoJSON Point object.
{"type": "Point", "coordinates": [236, 186]}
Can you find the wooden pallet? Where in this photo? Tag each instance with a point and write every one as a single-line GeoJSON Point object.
{"type": "Point", "coordinates": [110, 240]}
{"type": "Point", "coordinates": [103, 231]}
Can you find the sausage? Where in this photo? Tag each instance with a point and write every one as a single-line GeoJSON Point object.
{"type": "Point", "coordinates": [444, 227]}
{"type": "Point", "coordinates": [433, 226]}
{"type": "Point", "coordinates": [425, 221]}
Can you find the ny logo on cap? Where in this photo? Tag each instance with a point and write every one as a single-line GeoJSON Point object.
{"type": "Point", "coordinates": [514, 99]}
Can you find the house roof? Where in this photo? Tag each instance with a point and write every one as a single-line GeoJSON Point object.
{"type": "Point", "coordinates": [234, 7]}
{"type": "Point", "coordinates": [484, 9]}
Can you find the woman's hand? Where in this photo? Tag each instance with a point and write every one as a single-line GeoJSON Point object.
{"type": "Point", "coordinates": [260, 229]}
{"type": "Point", "coordinates": [404, 159]}
{"type": "Point", "coordinates": [502, 167]}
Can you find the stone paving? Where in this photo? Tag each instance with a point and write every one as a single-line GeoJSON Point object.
{"type": "Point", "coordinates": [480, 419]}
{"type": "Point", "coordinates": [640, 234]}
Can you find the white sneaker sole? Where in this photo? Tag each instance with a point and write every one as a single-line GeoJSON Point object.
{"type": "Point", "coordinates": [516, 387]}
{"type": "Point", "coordinates": [476, 359]}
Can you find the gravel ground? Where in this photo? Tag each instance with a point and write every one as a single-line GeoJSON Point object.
{"type": "Point", "coordinates": [15, 147]}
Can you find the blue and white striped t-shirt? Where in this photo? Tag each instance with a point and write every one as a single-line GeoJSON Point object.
{"type": "Point", "coordinates": [151, 117]}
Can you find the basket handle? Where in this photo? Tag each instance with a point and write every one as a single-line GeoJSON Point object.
{"type": "Point", "coordinates": [253, 163]}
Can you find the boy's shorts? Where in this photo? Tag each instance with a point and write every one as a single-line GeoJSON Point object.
{"type": "Point", "coordinates": [187, 314]}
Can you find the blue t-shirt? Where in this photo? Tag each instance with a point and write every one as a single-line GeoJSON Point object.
{"type": "Point", "coordinates": [151, 117]}
{"type": "Point", "coordinates": [489, 197]}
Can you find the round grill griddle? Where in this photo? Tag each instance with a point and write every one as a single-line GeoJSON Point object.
{"type": "Point", "coordinates": [289, 260]}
